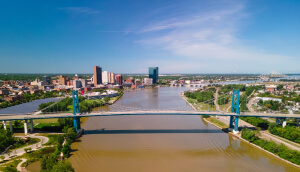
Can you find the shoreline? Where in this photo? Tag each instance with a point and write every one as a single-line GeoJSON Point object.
{"type": "Point", "coordinates": [239, 137]}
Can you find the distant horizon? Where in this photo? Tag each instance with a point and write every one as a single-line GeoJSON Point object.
{"type": "Point", "coordinates": [147, 73]}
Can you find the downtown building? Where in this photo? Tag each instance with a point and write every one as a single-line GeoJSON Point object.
{"type": "Point", "coordinates": [153, 73]}
{"type": "Point", "coordinates": [108, 77]}
{"type": "Point", "coordinates": [105, 76]}
{"type": "Point", "coordinates": [97, 75]}
{"type": "Point", "coordinates": [119, 79]}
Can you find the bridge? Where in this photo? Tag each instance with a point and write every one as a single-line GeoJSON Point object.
{"type": "Point", "coordinates": [76, 115]}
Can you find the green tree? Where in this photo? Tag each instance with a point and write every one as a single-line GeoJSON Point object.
{"type": "Point", "coordinates": [2, 157]}
{"type": "Point", "coordinates": [65, 122]}
{"type": "Point", "coordinates": [66, 150]}
{"type": "Point", "coordinates": [6, 139]}
{"type": "Point", "coordinates": [17, 123]}
{"type": "Point", "coordinates": [106, 99]}
{"type": "Point", "coordinates": [279, 87]}
{"type": "Point", "coordinates": [63, 166]}
{"type": "Point", "coordinates": [48, 161]}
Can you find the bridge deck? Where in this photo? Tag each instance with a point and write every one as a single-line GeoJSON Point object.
{"type": "Point", "coordinates": [8, 117]}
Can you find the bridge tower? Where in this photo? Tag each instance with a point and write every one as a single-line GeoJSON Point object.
{"type": "Point", "coordinates": [76, 120]}
{"type": "Point", "coordinates": [235, 107]}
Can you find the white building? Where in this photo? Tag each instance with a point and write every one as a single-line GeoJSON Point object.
{"type": "Point", "coordinates": [84, 82]}
{"type": "Point", "coordinates": [148, 81]}
{"type": "Point", "coordinates": [268, 98]}
{"type": "Point", "coordinates": [77, 84]}
{"type": "Point", "coordinates": [98, 95]}
{"type": "Point", "coordinates": [188, 81]}
{"type": "Point", "coordinates": [105, 76]}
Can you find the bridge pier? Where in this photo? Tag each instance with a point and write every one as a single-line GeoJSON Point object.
{"type": "Point", "coordinates": [298, 122]}
{"type": "Point", "coordinates": [235, 107]}
{"type": "Point", "coordinates": [231, 122]}
{"type": "Point", "coordinates": [31, 125]}
{"type": "Point", "coordinates": [284, 122]}
{"type": "Point", "coordinates": [236, 125]}
{"type": "Point", "coordinates": [4, 125]}
{"type": "Point", "coordinates": [76, 121]}
{"type": "Point", "coordinates": [25, 127]}
{"type": "Point", "coordinates": [10, 126]}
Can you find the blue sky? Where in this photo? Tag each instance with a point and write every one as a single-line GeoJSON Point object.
{"type": "Point", "coordinates": [128, 36]}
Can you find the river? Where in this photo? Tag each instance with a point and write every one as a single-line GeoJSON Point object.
{"type": "Point", "coordinates": [164, 143]}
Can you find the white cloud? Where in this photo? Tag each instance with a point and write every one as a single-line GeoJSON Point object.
{"type": "Point", "coordinates": [209, 38]}
{"type": "Point", "coordinates": [80, 10]}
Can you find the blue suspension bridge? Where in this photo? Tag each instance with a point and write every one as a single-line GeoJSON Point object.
{"type": "Point", "coordinates": [58, 111]}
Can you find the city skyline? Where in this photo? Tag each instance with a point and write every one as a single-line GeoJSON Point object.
{"type": "Point", "coordinates": [196, 37]}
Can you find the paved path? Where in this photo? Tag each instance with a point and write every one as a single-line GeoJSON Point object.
{"type": "Point", "coordinates": [228, 109]}
{"type": "Point", "coordinates": [264, 134]}
{"type": "Point", "coordinates": [268, 136]}
{"type": "Point", "coordinates": [19, 167]}
{"type": "Point", "coordinates": [249, 104]}
{"type": "Point", "coordinates": [216, 100]}
{"type": "Point", "coordinates": [21, 151]}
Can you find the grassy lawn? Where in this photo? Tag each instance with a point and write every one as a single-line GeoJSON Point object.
{"type": "Point", "coordinates": [201, 106]}
{"type": "Point", "coordinates": [225, 106]}
{"type": "Point", "coordinates": [52, 138]}
{"type": "Point", "coordinates": [52, 120]}
{"type": "Point", "coordinates": [215, 121]}
{"type": "Point", "coordinates": [36, 155]}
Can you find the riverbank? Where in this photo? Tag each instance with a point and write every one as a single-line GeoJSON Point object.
{"type": "Point", "coordinates": [217, 124]}
{"type": "Point", "coordinates": [212, 120]}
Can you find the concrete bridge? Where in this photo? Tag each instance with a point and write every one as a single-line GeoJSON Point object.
{"type": "Point", "coordinates": [29, 117]}
{"type": "Point", "coordinates": [76, 115]}
{"type": "Point", "coordinates": [11, 117]}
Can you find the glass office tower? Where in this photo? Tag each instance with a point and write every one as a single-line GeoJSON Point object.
{"type": "Point", "coordinates": [97, 75]}
{"type": "Point", "coordinates": [153, 73]}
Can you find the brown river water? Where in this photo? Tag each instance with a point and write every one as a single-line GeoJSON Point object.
{"type": "Point", "coordinates": [162, 143]}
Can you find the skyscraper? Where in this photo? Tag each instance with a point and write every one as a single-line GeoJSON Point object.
{"type": "Point", "coordinates": [119, 79]}
{"type": "Point", "coordinates": [105, 77]}
{"type": "Point", "coordinates": [153, 73]}
{"type": "Point", "coordinates": [97, 75]}
{"type": "Point", "coordinates": [46, 79]}
{"type": "Point", "coordinates": [111, 78]}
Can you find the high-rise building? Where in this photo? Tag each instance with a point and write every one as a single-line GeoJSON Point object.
{"type": "Point", "coordinates": [83, 82]}
{"type": "Point", "coordinates": [119, 79]}
{"type": "Point", "coordinates": [46, 79]}
{"type": "Point", "coordinates": [153, 73]}
{"type": "Point", "coordinates": [63, 80]}
{"type": "Point", "coordinates": [97, 75]}
{"type": "Point", "coordinates": [111, 78]}
{"type": "Point", "coordinates": [77, 84]}
{"type": "Point", "coordinates": [105, 76]}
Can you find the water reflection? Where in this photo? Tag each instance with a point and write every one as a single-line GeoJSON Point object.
{"type": "Point", "coordinates": [153, 131]}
